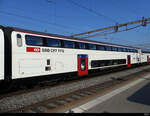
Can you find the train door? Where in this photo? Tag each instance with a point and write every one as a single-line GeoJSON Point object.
{"type": "Point", "coordinates": [148, 60]}
{"type": "Point", "coordinates": [129, 60]}
{"type": "Point", "coordinates": [82, 65]}
{"type": "Point", "coordinates": [1, 55]}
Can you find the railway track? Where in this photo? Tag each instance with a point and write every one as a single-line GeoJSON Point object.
{"type": "Point", "coordinates": [52, 83]}
{"type": "Point", "coordinates": [56, 103]}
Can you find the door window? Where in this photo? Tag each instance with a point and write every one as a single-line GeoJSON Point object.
{"type": "Point", "coordinates": [83, 64]}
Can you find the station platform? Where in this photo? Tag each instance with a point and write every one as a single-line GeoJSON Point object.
{"type": "Point", "coordinates": [133, 97]}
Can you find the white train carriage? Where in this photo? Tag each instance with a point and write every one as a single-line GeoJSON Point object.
{"type": "Point", "coordinates": [26, 54]}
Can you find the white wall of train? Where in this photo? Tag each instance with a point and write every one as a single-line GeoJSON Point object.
{"type": "Point", "coordinates": [27, 64]}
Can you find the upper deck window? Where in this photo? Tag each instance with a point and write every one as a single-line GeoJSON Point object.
{"type": "Point", "coordinates": [124, 49]}
{"type": "Point", "coordinates": [114, 49]}
{"type": "Point", "coordinates": [130, 50]}
{"type": "Point", "coordinates": [53, 42]}
{"type": "Point", "coordinates": [119, 49]}
{"type": "Point", "coordinates": [69, 44]}
{"type": "Point", "coordinates": [108, 48]}
{"type": "Point", "coordinates": [82, 46]}
{"type": "Point", "coordinates": [34, 40]}
{"type": "Point", "coordinates": [136, 51]}
{"type": "Point", "coordinates": [100, 47]}
{"type": "Point", "coordinates": [92, 46]}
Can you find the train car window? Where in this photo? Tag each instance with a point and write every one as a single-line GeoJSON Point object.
{"type": "Point", "coordinates": [110, 62]}
{"type": "Point", "coordinates": [18, 36]}
{"type": "Point", "coordinates": [100, 47]}
{"type": "Point", "coordinates": [123, 49]}
{"type": "Point", "coordinates": [69, 44]}
{"type": "Point", "coordinates": [114, 49]}
{"type": "Point", "coordinates": [82, 46]}
{"type": "Point", "coordinates": [86, 46]}
{"type": "Point", "coordinates": [83, 64]}
{"type": "Point", "coordinates": [95, 64]}
{"type": "Point", "coordinates": [115, 62]}
{"type": "Point", "coordinates": [133, 50]}
{"type": "Point", "coordinates": [126, 50]}
{"type": "Point", "coordinates": [77, 45]}
{"type": "Point", "coordinates": [34, 40]}
{"type": "Point", "coordinates": [122, 61]}
{"type": "Point", "coordinates": [119, 49]}
{"type": "Point", "coordinates": [53, 42]}
{"type": "Point", "coordinates": [136, 51]}
{"type": "Point", "coordinates": [92, 46]}
{"type": "Point", "coordinates": [101, 63]}
{"type": "Point", "coordinates": [108, 48]}
{"type": "Point", "coordinates": [19, 40]}
{"type": "Point", "coordinates": [130, 50]}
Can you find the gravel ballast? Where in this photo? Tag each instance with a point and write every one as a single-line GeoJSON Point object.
{"type": "Point", "coordinates": [19, 101]}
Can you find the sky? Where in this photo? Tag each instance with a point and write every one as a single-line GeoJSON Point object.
{"type": "Point", "coordinates": [67, 17]}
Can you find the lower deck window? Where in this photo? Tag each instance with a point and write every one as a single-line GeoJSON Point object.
{"type": "Point", "coordinates": [101, 63]}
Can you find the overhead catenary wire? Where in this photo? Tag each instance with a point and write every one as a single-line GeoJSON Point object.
{"type": "Point", "coordinates": [131, 9]}
{"type": "Point", "coordinates": [116, 27]}
{"type": "Point", "coordinates": [92, 11]}
{"type": "Point", "coordinates": [37, 20]}
{"type": "Point", "coordinates": [123, 40]}
{"type": "Point", "coordinates": [75, 28]}
{"type": "Point", "coordinates": [103, 34]}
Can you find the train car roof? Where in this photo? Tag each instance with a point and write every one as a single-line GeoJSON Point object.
{"type": "Point", "coordinates": [67, 37]}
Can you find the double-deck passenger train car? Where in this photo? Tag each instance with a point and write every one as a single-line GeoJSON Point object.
{"type": "Point", "coordinates": [28, 54]}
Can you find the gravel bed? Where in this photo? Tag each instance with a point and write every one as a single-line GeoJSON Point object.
{"type": "Point", "coordinates": [19, 101]}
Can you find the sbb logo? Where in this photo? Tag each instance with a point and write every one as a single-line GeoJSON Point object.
{"type": "Point", "coordinates": [36, 49]}
{"type": "Point", "coordinates": [33, 49]}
